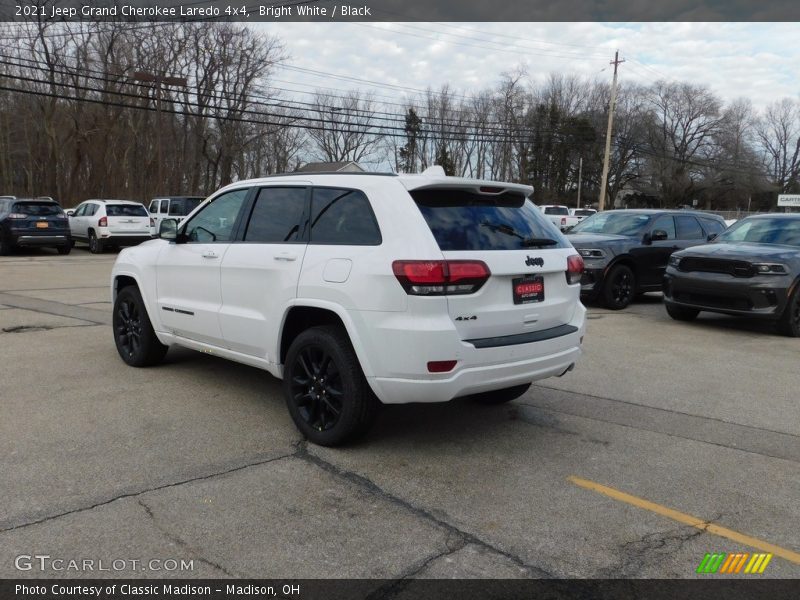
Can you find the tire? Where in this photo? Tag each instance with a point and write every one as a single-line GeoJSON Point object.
{"type": "Point", "coordinates": [619, 288]}
{"type": "Point", "coordinates": [134, 337]}
{"type": "Point", "coordinates": [6, 247]}
{"type": "Point", "coordinates": [95, 244]}
{"type": "Point", "coordinates": [502, 396]}
{"type": "Point", "coordinates": [326, 392]}
{"type": "Point", "coordinates": [789, 323]}
{"type": "Point", "coordinates": [63, 250]}
{"type": "Point", "coordinates": [681, 313]}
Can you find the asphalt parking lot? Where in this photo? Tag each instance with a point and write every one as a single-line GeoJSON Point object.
{"type": "Point", "coordinates": [668, 441]}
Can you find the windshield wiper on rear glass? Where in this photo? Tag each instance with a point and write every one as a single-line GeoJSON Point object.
{"type": "Point", "coordinates": [528, 242]}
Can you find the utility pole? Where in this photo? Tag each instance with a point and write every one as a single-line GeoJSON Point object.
{"type": "Point", "coordinates": [580, 175]}
{"type": "Point", "coordinates": [611, 106]}
{"type": "Point", "coordinates": [159, 81]}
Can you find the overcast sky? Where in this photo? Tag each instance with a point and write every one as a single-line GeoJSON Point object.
{"type": "Point", "coordinates": [759, 61]}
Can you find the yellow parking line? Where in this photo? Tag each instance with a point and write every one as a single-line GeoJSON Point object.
{"type": "Point", "coordinates": [686, 519]}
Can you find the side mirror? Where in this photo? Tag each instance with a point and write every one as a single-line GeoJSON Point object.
{"type": "Point", "coordinates": [658, 235]}
{"type": "Point", "coordinates": [168, 230]}
{"type": "Point", "coordinates": [711, 237]}
{"type": "Point", "coordinates": [70, 212]}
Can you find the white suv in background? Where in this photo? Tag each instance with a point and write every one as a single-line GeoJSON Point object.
{"type": "Point", "coordinates": [175, 207]}
{"type": "Point", "coordinates": [115, 223]}
{"type": "Point", "coordinates": [355, 288]}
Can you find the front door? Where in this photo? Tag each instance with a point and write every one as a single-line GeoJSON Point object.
{"type": "Point", "coordinates": [188, 271]}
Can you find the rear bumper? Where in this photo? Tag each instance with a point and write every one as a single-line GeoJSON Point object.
{"type": "Point", "coordinates": [477, 370]}
{"type": "Point", "coordinates": [50, 239]}
{"type": "Point", "coordinates": [762, 296]}
{"type": "Point", "coordinates": [125, 240]}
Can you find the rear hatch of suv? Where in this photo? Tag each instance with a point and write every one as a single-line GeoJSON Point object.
{"type": "Point", "coordinates": [38, 217]}
{"type": "Point", "coordinates": [526, 285]}
{"type": "Point", "coordinates": [128, 219]}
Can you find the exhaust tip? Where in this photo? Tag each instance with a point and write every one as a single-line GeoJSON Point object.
{"type": "Point", "coordinates": [567, 370]}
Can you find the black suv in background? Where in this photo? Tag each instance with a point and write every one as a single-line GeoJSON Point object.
{"type": "Point", "coordinates": [33, 222]}
{"type": "Point", "coordinates": [752, 269]}
{"type": "Point", "coordinates": [626, 251]}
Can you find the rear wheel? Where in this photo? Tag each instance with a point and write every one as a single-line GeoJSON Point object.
{"type": "Point", "coordinates": [619, 287]}
{"type": "Point", "coordinates": [326, 392]}
{"type": "Point", "coordinates": [789, 323]}
{"type": "Point", "coordinates": [95, 244]}
{"type": "Point", "coordinates": [502, 396]}
{"type": "Point", "coordinates": [682, 313]}
{"type": "Point", "coordinates": [136, 341]}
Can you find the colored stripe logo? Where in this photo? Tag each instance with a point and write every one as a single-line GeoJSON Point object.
{"type": "Point", "coordinates": [734, 563]}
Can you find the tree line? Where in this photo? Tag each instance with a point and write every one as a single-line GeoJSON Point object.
{"type": "Point", "coordinates": [137, 110]}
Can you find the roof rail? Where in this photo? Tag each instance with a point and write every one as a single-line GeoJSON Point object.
{"type": "Point", "coordinates": [45, 198]}
{"type": "Point", "coordinates": [8, 197]}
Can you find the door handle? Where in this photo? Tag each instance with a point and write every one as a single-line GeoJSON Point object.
{"type": "Point", "coordinates": [285, 256]}
{"type": "Point", "coordinates": [210, 254]}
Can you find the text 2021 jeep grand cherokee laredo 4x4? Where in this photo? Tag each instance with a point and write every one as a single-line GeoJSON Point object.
{"type": "Point", "coordinates": [355, 288]}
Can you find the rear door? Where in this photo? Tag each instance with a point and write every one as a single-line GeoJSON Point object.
{"type": "Point", "coordinates": [260, 273]}
{"type": "Point", "coordinates": [127, 219]}
{"type": "Point", "coordinates": [525, 253]}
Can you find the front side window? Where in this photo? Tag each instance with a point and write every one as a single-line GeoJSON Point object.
{"type": "Point", "coordinates": [216, 221]}
{"type": "Point", "coordinates": [343, 217]}
{"type": "Point", "coordinates": [712, 226]}
{"type": "Point", "coordinates": [277, 216]}
{"type": "Point", "coordinates": [665, 223]}
{"type": "Point", "coordinates": [153, 206]}
{"type": "Point", "coordinates": [80, 211]}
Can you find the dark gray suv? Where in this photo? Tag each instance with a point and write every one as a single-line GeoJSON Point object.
{"type": "Point", "coordinates": [626, 251]}
{"type": "Point", "coordinates": [752, 269]}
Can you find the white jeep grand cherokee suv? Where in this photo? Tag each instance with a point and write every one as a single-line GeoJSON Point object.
{"type": "Point", "coordinates": [359, 288]}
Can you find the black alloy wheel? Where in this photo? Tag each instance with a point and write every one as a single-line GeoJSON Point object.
{"type": "Point", "coordinates": [317, 388]}
{"type": "Point", "coordinates": [619, 288]}
{"type": "Point", "coordinates": [134, 337]}
{"type": "Point", "coordinates": [789, 323]}
{"type": "Point", "coordinates": [326, 392]}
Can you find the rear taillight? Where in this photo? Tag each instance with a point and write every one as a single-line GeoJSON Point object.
{"type": "Point", "coordinates": [103, 222]}
{"type": "Point", "coordinates": [17, 216]}
{"type": "Point", "coordinates": [440, 277]}
{"type": "Point", "coordinates": [574, 269]}
{"type": "Point", "coordinates": [441, 366]}
{"type": "Point", "coordinates": [563, 220]}
{"type": "Point", "coordinates": [152, 222]}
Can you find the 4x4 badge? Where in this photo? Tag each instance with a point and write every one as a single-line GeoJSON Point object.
{"type": "Point", "coordinates": [531, 262]}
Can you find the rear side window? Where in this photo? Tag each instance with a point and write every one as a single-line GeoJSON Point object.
{"type": "Point", "coordinates": [466, 220]}
{"type": "Point", "coordinates": [277, 216]}
{"type": "Point", "coordinates": [125, 210]}
{"type": "Point", "coordinates": [688, 228]}
{"type": "Point", "coordinates": [37, 209]}
{"type": "Point", "coordinates": [343, 217]}
{"type": "Point", "coordinates": [90, 210]}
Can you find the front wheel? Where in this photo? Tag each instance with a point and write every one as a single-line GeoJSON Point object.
{"type": "Point", "coordinates": [136, 341]}
{"type": "Point", "coordinates": [789, 323]}
{"type": "Point", "coordinates": [326, 392]}
{"type": "Point", "coordinates": [502, 396]}
{"type": "Point", "coordinates": [619, 288]}
{"type": "Point", "coordinates": [682, 313]}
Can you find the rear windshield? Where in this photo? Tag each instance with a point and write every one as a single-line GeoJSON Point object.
{"type": "Point", "coordinates": [781, 231]}
{"type": "Point", "coordinates": [556, 210]}
{"type": "Point", "coordinates": [180, 207]}
{"type": "Point", "coordinates": [39, 209]}
{"type": "Point", "coordinates": [126, 210]}
{"type": "Point", "coordinates": [580, 212]}
{"type": "Point", "coordinates": [464, 220]}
